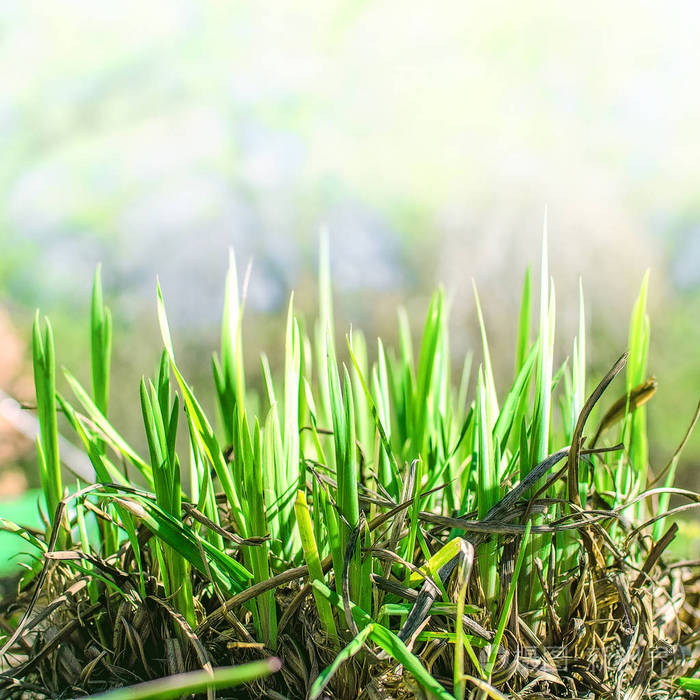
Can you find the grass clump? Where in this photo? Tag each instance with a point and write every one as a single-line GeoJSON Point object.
{"type": "Point", "coordinates": [358, 528]}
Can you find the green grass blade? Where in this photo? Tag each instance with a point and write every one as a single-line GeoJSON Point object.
{"type": "Point", "coordinates": [272, 459]}
{"type": "Point", "coordinates": [44, 360]}
{"type": "Point", "coordinates": [487, 488]}
{"type": "Point", "coordinates": [105, 471]}
{"type": "Point", "coordinates": [489, 382]}
{"type": "Point", "coordinates": [461, 405]}
{"type": "Point", "coordinates": [632, 480]}
{"type": "Point", "coordinates": [160, 421]}
{"type": "Point", "coordinates": [579, 361]}
{"type": "Point", "coordinates": [353, 646]}
{"type": "Point", "coordinates": [579, 385]}
{"type": "Point", "coordinates": [182, 684]}
{"type": "Point", "coordinates": [254, 506]}
{"type": "Point", "coordinates": [508, 602]}
{"type": "Point", "coordinates": [382, 423]}
{"type": "Point", "coordinates": [524, 322]}
{"type": "Point", "coordinates": [24, 533]}
{"type": "Point", "coordinates": [313, 561]}
{"type": "Point", "coordinates": [229, 574]}
{"type": "Point", "coordinates": [543, 382]}
{"type": "Point", "coordinates": [107, 429]}
{"type": "Point", "coordinates": [541, 419]}
{"type": "Point", "coordinates": [432, 566]}
{"type": "Point", "coordinates": [100, 344]}
{"type": "Point", "coordinates": [510, 412]}
{"type": "Point", "coordinates": [389, 642]}
{"type": "Point", "coordinates": [229, 373]}
{"type": "Point", "coordinates": [692, 684]}
{"type": "Point", "coordinates": [363, 418]}
{"type": "Point", "coordinates": [379, 404]}
{"type": "Point", "coordinates": [207, 438]}
{"type": "Point", "coordinates": [292, 386]}
{"type": "Point", "coordinates": [348, 479]}
{"type": "Point", "coordinates": [325, 329]}
{"type": "Point", "coordinates": [423, 400]}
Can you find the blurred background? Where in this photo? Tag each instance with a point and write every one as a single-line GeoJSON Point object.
{"type": "Point", "coordinates": [427, 138]}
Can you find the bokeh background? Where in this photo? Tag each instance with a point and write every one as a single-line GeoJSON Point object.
{"type": "Point", "coordinates": [428, 138]}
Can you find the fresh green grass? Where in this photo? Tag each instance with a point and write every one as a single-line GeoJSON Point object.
{"type": "Point", "coordinates": [43, 354]}
{"type": "Point", "coordinates": [690, 683]}
{"type": "Point", "coordinates": [193, 682]}
{"type": "Point", "coordinates": [379, 477]}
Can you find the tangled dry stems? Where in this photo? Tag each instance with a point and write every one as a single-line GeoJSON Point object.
{"type": "Point", "coordinates": [631, 628]}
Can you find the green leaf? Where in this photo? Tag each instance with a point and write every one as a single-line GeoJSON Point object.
{"type": "Point", "coordinates": [44, 361]}
{"type": "Point", "coordinates": [424, 398]}
{"type": "Point", "coordinates": [689, 684]}
{"type": "Point", "coordinates": [229, 374]}
{"type": "Point", "coordinates": [508, 602]}
{"type": "Point", "coordinates": [207, 439]}
{"type": "Point", "coordinates": [230, 574]}
{"type": "Point", "coordinates": [514, 400]}
{"type": "Point", "coordinates": [355, 644]}
{"type": "Point", "coordinates": [389, 642]}
{"type": "Point", "coordinates": [100, 344]}
{"type": "Point", "coordinates": [489, 382]}
{"type": "Point", "coordinates": [524, 322]}
{"type": "Point", "coordinates": [430, 569]}
{"type": "Point", "coordinates": [106, 428]}
{"type": "Point", "coordinates": [182, 684]}
{"type": "Point", "coordinates": [632, 477]}
{"type": "Point", "coordinates": [313, 561]}
{"type": "Point", "coordinates": [292, 383]}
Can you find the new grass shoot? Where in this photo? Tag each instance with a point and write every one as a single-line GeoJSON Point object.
{"type": "Point", "coordinates": [364, 512]}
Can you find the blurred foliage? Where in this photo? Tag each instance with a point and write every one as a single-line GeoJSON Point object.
{"type": "Point", "coordinates": [25, 510]}
{"type": "Point", "coordinates": [428, 139]}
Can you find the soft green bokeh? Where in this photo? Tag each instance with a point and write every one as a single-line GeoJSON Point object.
{"type": "Point", "coordinates": [22, 511]}
{"type": "Point", "coordinates": [428, 138]}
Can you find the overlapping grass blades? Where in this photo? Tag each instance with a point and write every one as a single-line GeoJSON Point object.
{"type": "Point", "coordinates": [194, 682]}
{"type": "Point", "coordinates": [633, 479]}
{"type": "Point", "coordinates": [379, 477]}
{"type": "Point", "coordinates": [44, 358]}
{"type": "Point", "coordinates": [229, 373]}
{"type": "Point", "coordinates": [160, 416]}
